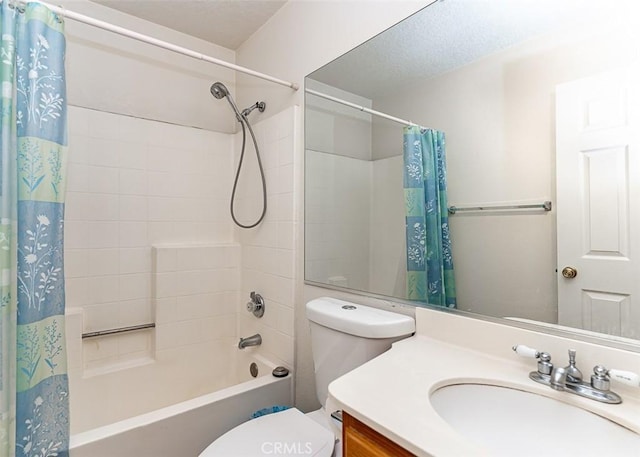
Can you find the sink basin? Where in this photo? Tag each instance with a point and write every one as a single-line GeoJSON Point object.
{"type": "Point", "coordinates": [510, 422]}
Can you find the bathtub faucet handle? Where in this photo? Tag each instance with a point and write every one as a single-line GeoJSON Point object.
{"type": "Point", "coordinates": [256, 304]}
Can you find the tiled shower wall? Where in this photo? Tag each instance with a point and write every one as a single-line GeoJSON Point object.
{"type": "Point", "coordinates": [134, 183]}
{"type": "Point", "coordinates": [268, 251]}
{"type": "Point", "coordinates": [149, 239]}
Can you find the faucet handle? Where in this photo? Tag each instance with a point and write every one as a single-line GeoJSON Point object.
{"type": "Point", "coordinates": [626, 377]}
{"type": "Point", "coordinates": [525, 351]}
{"type": "Point", "coordinates": [600, 378]}
{"type": "Point", "coordinates": [544, 359]}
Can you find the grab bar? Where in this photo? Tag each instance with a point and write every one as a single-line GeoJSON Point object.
{"type": "Point", "coordinates": [544, 205]}
{"type": "Point", "coordinates": [113, 331]}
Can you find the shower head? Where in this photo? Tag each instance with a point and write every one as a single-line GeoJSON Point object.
{"type": "Point", "coordinates": [219, 90]}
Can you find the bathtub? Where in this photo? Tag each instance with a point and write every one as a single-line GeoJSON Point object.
{"type": "Point", "coordinates": [186, 428]}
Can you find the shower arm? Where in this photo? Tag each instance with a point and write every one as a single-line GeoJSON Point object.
{"type": "Point", "coordinates": [260, 105]}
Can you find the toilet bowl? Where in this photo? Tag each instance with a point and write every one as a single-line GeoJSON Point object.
{"type": "Point", "coordinates": [343, 336]}
{"type": "Point", "coordinates": [288, 432]}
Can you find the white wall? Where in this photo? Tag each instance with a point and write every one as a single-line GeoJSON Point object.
{"type": "Point", "coordinates": [334, 128]}
{"type": "Point", "coordinates": [116, 74]}
{"type": "Point", "coordinates": [338, 164]}
{"type": "Point", "coordinates": [299, 38]}
{"type": "Point", "coordinates": [338, 203]}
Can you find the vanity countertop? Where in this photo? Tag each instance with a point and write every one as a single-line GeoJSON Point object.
{"type": "Point", "coordinates": [391, 392]}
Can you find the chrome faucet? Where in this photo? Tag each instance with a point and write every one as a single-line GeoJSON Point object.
{"type": "Point", "coordinates": [253, 340]}
{"type": "Point", "coordinates": [558, 378]}
{"type": "Point", "coordinates": [569, 378]}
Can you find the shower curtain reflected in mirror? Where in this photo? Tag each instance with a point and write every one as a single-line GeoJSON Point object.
{"type": "Point", "coordinates": [430, 276]}
{"type": "Point", "coordinates": [33, 378]}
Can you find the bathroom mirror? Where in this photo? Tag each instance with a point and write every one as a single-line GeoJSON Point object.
{"type": "Point", "coordinates": [537, 101]}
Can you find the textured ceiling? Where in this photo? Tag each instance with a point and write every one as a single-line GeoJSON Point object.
{"type": "Point", "coordinates": [226, 23]}
{"type": "Point", "coordinates": [447, 35]}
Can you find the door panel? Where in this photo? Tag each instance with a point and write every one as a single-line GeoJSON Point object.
{"type": "Point", "coordinates": [598, 203]}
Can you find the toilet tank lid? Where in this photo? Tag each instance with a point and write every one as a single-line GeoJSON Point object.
{"type": "Point", "coordinates": [359, 320]}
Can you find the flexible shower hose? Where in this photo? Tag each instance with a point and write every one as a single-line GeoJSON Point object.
{"type": "Point", "coordinates": [243, 120]}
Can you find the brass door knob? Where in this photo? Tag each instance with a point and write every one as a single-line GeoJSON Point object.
{"type": "Point", "coordinates": [569, 272]}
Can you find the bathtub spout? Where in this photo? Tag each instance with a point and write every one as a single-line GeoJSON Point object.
{"type": "Point", "coordinates": [253, 340]}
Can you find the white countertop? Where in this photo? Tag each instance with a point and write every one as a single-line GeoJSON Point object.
{"type": "Point", "coordinates": [391, 392]}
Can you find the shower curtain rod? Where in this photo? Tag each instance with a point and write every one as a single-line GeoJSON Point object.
{"type": "Point", "coordinates": [361, 108]}
{"type": "Point", "coordinates": [162, 44]}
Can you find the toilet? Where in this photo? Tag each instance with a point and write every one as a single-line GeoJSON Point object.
{"type": "Point", "coordinates": [343, 336]}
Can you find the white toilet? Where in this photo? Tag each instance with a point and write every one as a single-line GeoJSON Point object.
{"type": "Point", "coordinates": [343, 337]}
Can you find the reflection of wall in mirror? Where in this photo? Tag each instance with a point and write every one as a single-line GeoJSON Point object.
{"type": "Point", "coordinates": [338, 142]}
{"type": "Point", "coordinates": [498, 115]}
{"type": "Point", "coordinates": [352, 210]}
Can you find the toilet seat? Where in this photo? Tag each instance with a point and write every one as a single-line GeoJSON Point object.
{"type": "Point", "coordinates": [288, 432]}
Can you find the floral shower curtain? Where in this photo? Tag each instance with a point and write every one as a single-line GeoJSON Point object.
{"type": "Point", "coordinates": [33, 381]}
{"type": "Point", "coordinates": [429, 264]}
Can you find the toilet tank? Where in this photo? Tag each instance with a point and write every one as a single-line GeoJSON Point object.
{"type": "Point", "coordinates": [345, 335]}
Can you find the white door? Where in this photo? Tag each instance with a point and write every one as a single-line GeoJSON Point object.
{"type": "Point", "coordinates": [598, 203]}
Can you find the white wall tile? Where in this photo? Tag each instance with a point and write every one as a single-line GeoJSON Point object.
{"type": "Point", "coordinates": [104, 289]}
{"type": "Point", "coordinates": [79, 147]}
{"type": "Point", "coordinates": [76, 262]}
{"type": "Point", "coordinates": [286, 235]}
{"type": "Point", "coordinates": [77, 291]}
{"type": "Point", "coordinates": [132, 234]}
{"type": "Point", "coordinates": [76, 234]}
{"type": "Point", "coordinates": [102, 207]}
{"type": "Point", "coordinates": [134, 312]}
{"type": "Point", "coordinates": [103, 152]}
{"type": "Point", "coordinates": [77, 206]}
{"type": "Point", "coordinates": [102, 179]}
{"type": "Point", "coordinates": [78, 121]}
{"type": "Point", "coordinates": [133, 208]}
{"type": "Point", "coordinates": [134, 286]}
{"type": "Point", "coordinates": [133, 182]}
{"type": "Point", "coordinates": [133, 130]}
{"type": "Point", "coordinates": [102, 262]}
{"type": "Point", "coordinates": [166, 310]}
{"type": "Point", "coordinates": [163, 158]}
{"type": "Point", "coordinates": [161, 232]}
{"type": "Point", "coordinates": [132, 155]}
{"type": "Point", "coordinates": [100, 317]}
{"type": "Point", "coordinates": [268, 251]}
{"type": "Point", "coordinates": [103, 234]}
{"type": "Point", "coordinates": [135, 260]}
{"type": "Point", "coordinates": [78, 178]}
{"type": "Point", "coordinates": [134, 343]}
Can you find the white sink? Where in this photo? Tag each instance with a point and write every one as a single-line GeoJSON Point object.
{"type": "Point", "coordinates": [509, 422]}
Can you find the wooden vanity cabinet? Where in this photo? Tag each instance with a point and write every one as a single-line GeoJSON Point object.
{"type": "Point", "coordinates": [360, 440]}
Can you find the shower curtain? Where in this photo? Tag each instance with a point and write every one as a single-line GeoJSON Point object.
{"type": "Point", "coordinates": [33, 378]}
{"type": "Point", "coordinates": [430, 276]}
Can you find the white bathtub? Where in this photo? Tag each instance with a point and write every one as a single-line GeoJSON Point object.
{"type": "Point", "coordinates": [186, 428]}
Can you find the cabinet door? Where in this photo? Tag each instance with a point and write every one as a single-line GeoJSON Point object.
{"type": "Point", "coordinates": [359, 440]}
